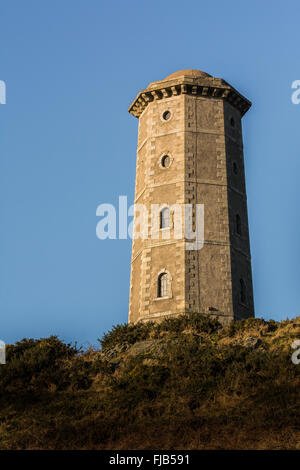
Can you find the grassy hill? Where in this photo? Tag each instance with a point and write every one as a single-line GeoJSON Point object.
{"type": "Point", "coordinates": [184, 383]}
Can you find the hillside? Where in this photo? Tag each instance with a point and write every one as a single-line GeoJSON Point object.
{"type": "Point", "coordinates": [184, 383]}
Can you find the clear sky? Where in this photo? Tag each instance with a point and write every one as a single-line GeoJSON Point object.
{"type": "Point", "coordinates": [67, 144]}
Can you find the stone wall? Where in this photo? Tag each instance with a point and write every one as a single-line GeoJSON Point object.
{"type": "Point", "coordinates": [203, 139]}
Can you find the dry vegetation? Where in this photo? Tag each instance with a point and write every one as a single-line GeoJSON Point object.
{"type": "Point", "coordinates": [185, 383]}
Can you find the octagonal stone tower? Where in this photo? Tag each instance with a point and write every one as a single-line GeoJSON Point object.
{"type": "Point", "coordinates": [190, 151]}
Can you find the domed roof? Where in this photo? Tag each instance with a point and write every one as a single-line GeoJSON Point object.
{"type": "Point", "coordinates": [188, 72]}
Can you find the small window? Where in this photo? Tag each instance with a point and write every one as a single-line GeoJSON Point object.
{"type": "Point", "coordinates": [164, 218]}
{"type": "Point", "coordinates": [243, 297]}
{"type": "Point", "coordinates": [235, 168]}
{"type": "Point", "coordinates": [238, 226]}
{"type": "Point", "coordinates": [232, 122]}
{"type": "Point", "coordinates": [165, 161]}
{"type": "Point", "coordinates": [162, 285]}
{"type": "Point", "coordinates": [166, 115]}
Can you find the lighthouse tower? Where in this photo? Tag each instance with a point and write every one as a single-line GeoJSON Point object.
{"type": "Point", "coordinates": [190, 152]}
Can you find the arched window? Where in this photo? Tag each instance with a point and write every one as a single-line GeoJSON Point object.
{"type": "Point", "coordinates": [164, 218]}
{"type": "Point", "coordinates": [162, 285]}
{"type": "Point", "coordinates": [238, 225]}
{"type": "Point", "coordinates": [243, 297]}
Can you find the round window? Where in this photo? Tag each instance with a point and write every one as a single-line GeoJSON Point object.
{"type": "Point", "coordinates": [165, 161]}
{"type": "Point", "coordinates": [166, 115]}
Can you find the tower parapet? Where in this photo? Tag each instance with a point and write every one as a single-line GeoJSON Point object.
{"type": "Point", "coordinates": [190, 82]}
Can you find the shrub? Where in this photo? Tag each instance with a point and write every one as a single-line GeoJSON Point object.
{"type": "Point", "coordinates": [136, 383]}
{"type": "Point", "coordinates": [193, 321]}
{"type": "Point", "coordinates": [203, 324]}
{"type": "Point", "coordinates": [34, 364]}
{"type": "Point", "coordinates": [126, 333]}
{"type": "Point", "coordinates": [240, 326]}
{"type": "Point", "coordinates": [195, 393]}
{"type": "Point", "coordinates": [172, 325]}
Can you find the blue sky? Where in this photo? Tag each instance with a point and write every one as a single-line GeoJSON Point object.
{"type": "Point", "coordinates": [67, 144]}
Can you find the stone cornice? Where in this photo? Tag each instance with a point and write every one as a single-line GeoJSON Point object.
{"type": "Point", "coordinates": [207, 87]}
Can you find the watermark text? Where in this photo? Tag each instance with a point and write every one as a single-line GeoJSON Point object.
{"type": "Point", "coordinates": [154, 222]}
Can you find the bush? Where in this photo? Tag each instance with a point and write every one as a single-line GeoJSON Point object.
{"type": "Point", "coordinates": [172, 325]}
{"type": "Point", "coordinates": [130, 334]}
{"type": "Point", "coordinates": [138, 382]}
{"type": "Point", "coordinates": [203, 324]}
{"type": "Point", "coordinates": [245, 325]}
{"type": "Point", "coordinates": [33, 365]}
{"type": "Point", "coordinates": [193, 321]}
{"type": "Point", "coordinates": [187, 391]}
{"type": "Point", "coordinates": [126, 333]}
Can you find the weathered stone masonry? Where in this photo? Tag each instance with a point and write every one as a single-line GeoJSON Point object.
{"type": "Point", "coordinates": [202, 137]}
